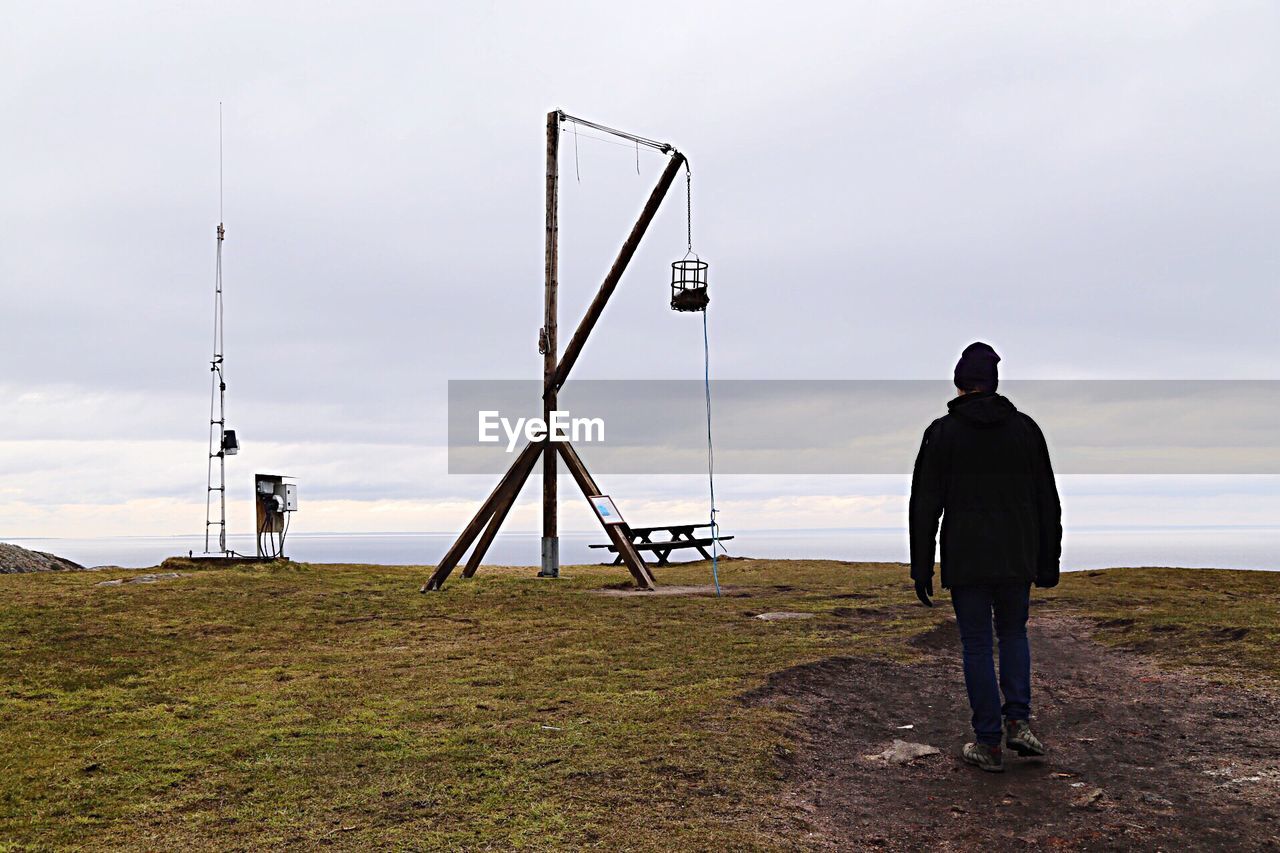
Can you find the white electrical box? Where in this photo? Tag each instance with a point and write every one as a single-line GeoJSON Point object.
{"type": "Point", "coordinates": [275, 499]}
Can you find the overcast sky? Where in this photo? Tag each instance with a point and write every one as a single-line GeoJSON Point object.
{"type": "Point", "coordinates": [1092, 188]}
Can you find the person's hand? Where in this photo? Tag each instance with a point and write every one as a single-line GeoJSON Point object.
{"type": "Point", "coordinates": [1047, 577]}
{"type": "Point", "coordinates": [924, 592]}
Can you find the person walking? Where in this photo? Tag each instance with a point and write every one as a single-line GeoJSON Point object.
{"type": "Point", "coordinates": [984, 469]}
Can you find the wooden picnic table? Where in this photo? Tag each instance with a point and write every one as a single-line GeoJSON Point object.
{"type": "Point", "coordinates": [678, 537]}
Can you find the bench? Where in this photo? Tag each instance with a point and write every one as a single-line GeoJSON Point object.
{"type": "Point", "coordinates": [679, 537]}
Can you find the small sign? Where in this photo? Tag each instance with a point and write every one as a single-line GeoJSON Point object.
{"type": "Point", "coordinates": [606, 510]}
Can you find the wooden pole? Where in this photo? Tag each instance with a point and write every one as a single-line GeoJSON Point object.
{"type": "Point", "coordinates": [550, 532]}
{"type": "Point", "coordinates": [579, 339]}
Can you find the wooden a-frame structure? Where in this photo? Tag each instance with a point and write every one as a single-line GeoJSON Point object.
{"type": "Point", "coordinates": [488, 520]}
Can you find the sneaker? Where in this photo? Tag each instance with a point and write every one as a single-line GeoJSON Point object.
{"type": "Point", "coordinates": [984, 757]}
{"type": "Point", "coordinates": [1018, 737]}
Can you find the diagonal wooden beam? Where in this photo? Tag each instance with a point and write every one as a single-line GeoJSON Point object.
{"type": "Point", "coordinates": [508, 500]}
{"type": "Point", "coordinates": [525, 459]}
{"type": "Point", "coordinates": [579, 339]}
{"type": "Point", "coordinates": [635, 563]}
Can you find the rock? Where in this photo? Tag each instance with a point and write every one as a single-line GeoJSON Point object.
{"type": "Point", "coordinates": [1087, 799]}
{"type": "Point", "coordinates": [782, 615]}
{"type": "Point", "coordinates": [147, 578]}
{"type": "Point", "coordinates": [16, 560]}
{"type": "Point", "coordinates": [1156, 800]}
{"type": "Point", "coordinates": [152, 578]}
{"type": "Point", "coordinates": [904, 752]}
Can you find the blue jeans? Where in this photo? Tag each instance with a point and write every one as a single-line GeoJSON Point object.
{"type": "Point", "coordinates": [974, 606]}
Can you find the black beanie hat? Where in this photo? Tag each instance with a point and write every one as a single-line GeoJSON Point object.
{"type": "Point", "coordinates": [976, 369]}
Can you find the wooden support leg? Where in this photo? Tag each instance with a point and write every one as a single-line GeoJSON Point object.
{"type": "Point", "coordinates": [486, 512]}
{"type": "Point", "coordinates": [635, 563]}
{"type": "Point", "coordinates": [505, 503]}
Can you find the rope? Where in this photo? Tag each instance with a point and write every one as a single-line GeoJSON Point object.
{"type": "Point", "coordinates": [706, 382]}
{"type": "Point", "coordinates": [711, 457]}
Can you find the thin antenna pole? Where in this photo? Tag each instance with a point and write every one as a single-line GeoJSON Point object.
{"type": "Point", "coordinates": [220, 216]}
{"type": "Point", "coordinates": [218, 392]}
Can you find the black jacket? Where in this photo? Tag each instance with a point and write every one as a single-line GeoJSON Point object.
{"type": "Point", "coordinates": [984, 468]}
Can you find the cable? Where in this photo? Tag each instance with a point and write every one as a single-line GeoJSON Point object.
{"type": "Point", "coordinates": [607, 141]}
{"type": "Point", "coordinates": [262, 529]}
{"type": "Point", "coordinates": [711, 457]}
{"type": "Point", "coordinates": [664, 147]}
{"type": "Point", "coordinates": [270, 550]}
{"type": "Point", "coordinates": [288, 517]}
{"type": "Point", "coordinates": [706, 381]}
{"type": "Point", "coordinates": [576, 170]}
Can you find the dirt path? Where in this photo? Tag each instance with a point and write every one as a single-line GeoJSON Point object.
{"type": "Point", "coordinates": [1179, 764]}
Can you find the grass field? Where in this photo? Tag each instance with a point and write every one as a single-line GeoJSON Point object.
{"type": "Point", "coordinates": [335, 705]}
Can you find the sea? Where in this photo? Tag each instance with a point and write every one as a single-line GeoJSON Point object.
{"type": "Point", "coordinates": [1232, 547]}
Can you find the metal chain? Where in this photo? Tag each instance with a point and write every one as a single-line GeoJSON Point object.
{"type": "Point", "coordinates": [688, 184]}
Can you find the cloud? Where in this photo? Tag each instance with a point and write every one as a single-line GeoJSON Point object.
{"type": "Point", "coordinates": [1091, 189]}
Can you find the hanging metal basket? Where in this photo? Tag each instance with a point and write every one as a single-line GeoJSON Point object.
{"type": "Point", "coordinates": [689, 285]}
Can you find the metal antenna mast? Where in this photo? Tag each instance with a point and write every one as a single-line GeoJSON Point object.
{"type": "Point", "coordinates": [218, 445]}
